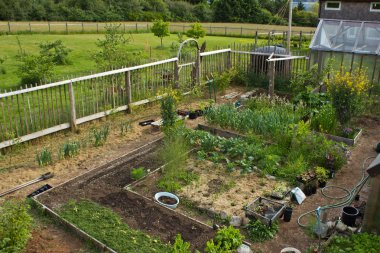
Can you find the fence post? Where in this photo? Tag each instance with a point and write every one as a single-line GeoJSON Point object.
{"type": "Point", "coordinates": [271, 74]}
{"type": "Point", "coordinates": [128, 88]}
{"type": "Point", "coordinates": [300, 46]}
{"type": "Point", "coordinates": [30, 27]}
{"type": "Point", "coordinates": [176, 74]}
{"type": "Point", "coordinates": [198, 68]}
{"type": "Point", "coordinates": [67, 29]}
{"type": "Point", "coordinates": [49, 26]}
{"type": "Point", "coordinates": [9, 27]}
{"type": "Point", "coordinates": [225, 31]}
{"type": "Point", "coordinates": [136, 28]}
{"type": "Point", "coordinates": [82, 28]}
{"type": "Point", "coordinates": [241, 31]}
{"type": "Point", "coordinates": [256, 34]}
{"type": "Point", "coordinates": [268, 39]}
{"type": "Point", "coordinates": [97, 27]}
{"type": "Point", "coordinates": [73, 114]}
{"type": "Point", "coordinates": [229, 60]}
{"type": "Point", "coordinates": [147, 27]}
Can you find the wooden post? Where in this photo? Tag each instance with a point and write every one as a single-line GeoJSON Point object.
{"type": "Point", "coordinates": [128, 88]}
{"type": "Point", "coordinates": [271, 74]}
{"type": "Point", "coordinates": [49, 26]}
{"type": "Point", "coordinates": [229, 60]}
{"type": "Point", "coordinates": [268, 39]}
{"type": "Point", "coordinates": [97, 27]}
{"type": "Point", "coordinates": [241, 31]}
{"type": "Point", "coordinates": [136, 28]}
{"type": "Point", "coordinates": [225, 31]}
{"type": "Point", "coordinates": [256, 35]}
{"type": "Point", "coordinates": [30, 27]}
{"type": "Point", "coordinates": [300, 45]}
{"type": "Point", "coordinates": [9, 27]}
{"type": "Point", "coordinates": [67, 29]}
{"type": "Point", "coordinates": [176, 74]}
{"type": "Point", "coordinates": [73, 114]}
{"type": "Point", "coordinates": [198, 68]}
{"type": "Point", "coordinates": [82, 27]}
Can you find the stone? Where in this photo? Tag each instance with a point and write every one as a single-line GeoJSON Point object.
{"type": "Point", "coordinates": [341, 227]}
{"type": "Point", "coordinates": [270, 177]}
{"type": "Point", "coordinates": [244, 249]}
{"type": "Point", "coordinates": [235, 221]}
{"type": "Point", "coordinates": [223, 215]}
{"type": "Point", "coordinates": [245, 221]}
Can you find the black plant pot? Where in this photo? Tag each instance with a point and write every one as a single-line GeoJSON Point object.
{"type": "Point", "coordinates": [308, 190]}
{"type": "Point", "coordinates": [331, 173]}
{"type": "Point", "coordinates": [199, 113]}
{"type": "Point", "coordinates": [321, 184]}
{"type": "Point", "coordinates": [193, 115]}
{"type": "Point", "coordinates": [288, 214]}
{"type": "Point", "coordinates": [313, 189]}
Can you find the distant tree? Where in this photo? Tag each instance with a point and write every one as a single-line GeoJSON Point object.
{"type": "Point", "coordinates": [196, 31]}
{"type": "Point", "coordinates": [160, 29]}
{"type": "Point", "coordinates": [300, 6]}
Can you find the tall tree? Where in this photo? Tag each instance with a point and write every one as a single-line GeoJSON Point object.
{"type": "Point", "coordinates": [160, 29]}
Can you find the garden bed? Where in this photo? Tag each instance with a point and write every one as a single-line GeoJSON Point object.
{"type": "Point", "coordinates": [104, 186]}
{"type": "Point", "coordinates": [348, 141]}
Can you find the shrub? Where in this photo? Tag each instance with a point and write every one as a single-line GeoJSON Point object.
{"type": "Point", "coordinates": [43, 157]}
{"type": "Point", "coordinates": [15, 225]}
{"type": "Point", "coordinates": [348, 93]}
{"type": "Point", "coordinates": [56, 51]}
{"type": "Point", "coordinates": [35, 69]}
{"type": "Point", "coordinates": [196, 31]}
{"type": "Point", "coordinates": [168, 111]}
{"type": "Point", "coordinates": [138, 173]}
{"type": "Point", "coordinates": [100, 135]}
{"type": "Point", "coordinates": [321, 173]}
{"type": "Point", "coordinates": [259, 232]}
{"type": "Point", "coordinates": [69, 149]}
{"type": "Point", "coordinates": [325, 120]}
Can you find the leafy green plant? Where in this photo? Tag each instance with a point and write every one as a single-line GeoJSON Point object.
{"type": "Point", "coordinates": [100, 135]}
{"type": "Point", "coordinates": [2, 68]}
{"type": "Point", "coordinates": [15, 226]}
{"type": "Point", "coordinates": [321, 173]}
{"type": "Point", "coordinates": [227, 239]}
{"type": "Point", "coordinates": [35, 69]}
{"type": "Point", "coordinates": [138, 173]}
{"type": "Point", "coordinates": [69, 149]}
{"type": "Point", "coordinates": [259, 232]}
{"type": "Point", "coordinates": [358, 243]}
{"type": "Point", "coordinates": [307, 79]}
{"type": "Point", "coordinates": [180, 246]}
{"type": "Point", "coordinates": [44, 157]}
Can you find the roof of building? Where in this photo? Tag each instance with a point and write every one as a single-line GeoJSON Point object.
{"type": "Point", "coordinates": [374, 168]}
{"type": "Point", "coordinates": [361, 37]}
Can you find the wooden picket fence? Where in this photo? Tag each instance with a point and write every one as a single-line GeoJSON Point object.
{"type": "Point", "coordinates": [36, 111]}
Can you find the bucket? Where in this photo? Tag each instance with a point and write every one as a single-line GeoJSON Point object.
{"type": "Point", "coordinates": [349, 215]}
{"type": "Point", "coordinates": [288, 214]}
{"type": "Point", "coordinates": [159, 195]}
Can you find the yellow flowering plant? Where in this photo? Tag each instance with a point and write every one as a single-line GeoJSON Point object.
{"type": "Point", "coordinates": [348, 92]}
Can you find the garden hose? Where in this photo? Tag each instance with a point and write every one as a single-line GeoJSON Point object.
{"type": "Point", "coordinates": [349, 196]}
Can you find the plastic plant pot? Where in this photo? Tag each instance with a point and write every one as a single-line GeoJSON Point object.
{"type": "Point", "coordinates": [193, 115]}
{"type": "Point", "coordinates": [321, 184]}
{"type": "Point", "coordinates": [349, 215]}
{"type": "Point", "coordinates": [288, 214]}
{"type": "Point", "coordinates": [167, 199]}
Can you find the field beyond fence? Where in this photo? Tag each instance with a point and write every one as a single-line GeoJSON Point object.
{"type": "Point", "coordinates": [221, 29]}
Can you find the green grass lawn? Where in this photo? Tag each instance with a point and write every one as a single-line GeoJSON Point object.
{"type": "Point", "coordinates": [84, 45]}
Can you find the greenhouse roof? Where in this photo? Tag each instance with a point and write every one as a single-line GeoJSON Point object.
{"type": "Point", "coordinates": [361, 37]}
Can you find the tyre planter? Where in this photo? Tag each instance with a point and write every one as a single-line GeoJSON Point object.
{"type": "Point", "coordinates": [167, 199]}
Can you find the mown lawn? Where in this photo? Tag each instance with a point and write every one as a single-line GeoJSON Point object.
{"type": "Point", "coordinates": [83, 47]}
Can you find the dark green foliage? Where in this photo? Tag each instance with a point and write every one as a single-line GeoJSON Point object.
{"type": "Point", "coordinates": [325, 120]}
{"type": "Point", "coordinates": [259, 232]}
{"type": "Point", "coordinates": [15, 226]}
{"type": "Point", "coordinates": [2, 68]}
{"type": "Point", "coordinates": [35, 69]}
{"type": "Point", "coordinates": [56, 51]}
{"type": "Point", "coordinates": [254, 11]}
{"type": "Point", "coordinates": [358, 243]}
{"type": "Point", "coordinates": [160, 29]}
{"type": "Point", "coordinates": [106, 226]}
{"type": "Point", "coordinates": [43, 157]}
{"type": "Point", "coordinates": [138, 173]}
{"type": "Point", "coordinates": [168, 111]}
